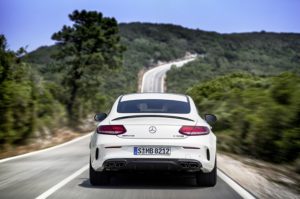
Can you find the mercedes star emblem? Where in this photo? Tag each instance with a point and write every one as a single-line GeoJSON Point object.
{"type": "Point", "coordinates": [152, 129]}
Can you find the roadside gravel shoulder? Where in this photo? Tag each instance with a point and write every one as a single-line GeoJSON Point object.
{"type": "Point", "coordinates": [262, 179]}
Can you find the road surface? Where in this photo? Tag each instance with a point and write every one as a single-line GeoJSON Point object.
{"type": "Point", "coordinates": [62, 172]}
{"type": "Point", "coordinates": [153, 80]}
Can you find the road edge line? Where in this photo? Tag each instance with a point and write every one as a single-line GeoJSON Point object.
{"type": "Point", "coordinates": [142, 87]}
{"type": "Point", "coordinates": [44, 150]}
{"type": "Point", "coordinates": [162, 85]}
{"type": "Point", "coordinates": [62, 183]}
{"type": "Point", "coordinates": [235, 186]}
{"type": "Point", "coordinates": [145, 74]}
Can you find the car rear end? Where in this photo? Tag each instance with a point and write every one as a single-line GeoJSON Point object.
{"type": "Point", "coordinates": [153, 132]}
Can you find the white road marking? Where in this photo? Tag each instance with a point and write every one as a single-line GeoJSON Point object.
{"type": "Point", "coordinates": [62, 183]}
{"type": "Point", "coordinates": [235, 186]}
{"type": "Point", "coordinates": [162, 85]}
{"type": "Point", "coordinates": [143, 80]}
{"type": "Point", "coordinates": [44, 150]}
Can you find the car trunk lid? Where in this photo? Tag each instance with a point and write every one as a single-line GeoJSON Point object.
{"type": "Point", "coordinates": [152, 126]}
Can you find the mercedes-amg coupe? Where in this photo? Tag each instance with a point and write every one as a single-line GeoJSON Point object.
{"type": "Point", "coordinates": [150, 132]}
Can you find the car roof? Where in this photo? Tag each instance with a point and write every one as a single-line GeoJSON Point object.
{"type": "Point", "coordinates": [164, 96]}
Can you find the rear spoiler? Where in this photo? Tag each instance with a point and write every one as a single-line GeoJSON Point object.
{"type": "Point", "coordinates": [164, 116]}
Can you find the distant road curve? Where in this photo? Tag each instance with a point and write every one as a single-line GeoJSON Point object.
{"type": "Point", "coordinates": [153, 79]}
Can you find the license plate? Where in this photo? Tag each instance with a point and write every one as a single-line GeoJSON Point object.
{"type": "Point", "coordinates": [148, 150]}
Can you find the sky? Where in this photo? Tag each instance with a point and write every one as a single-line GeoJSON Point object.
{"type": "Point", "coordinates": [32, 22]}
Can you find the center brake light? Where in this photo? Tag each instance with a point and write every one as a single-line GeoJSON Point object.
{"type": "Point", "coordinates": [111, 129]}
{"type": "Point", "coordinates": [194, 130]}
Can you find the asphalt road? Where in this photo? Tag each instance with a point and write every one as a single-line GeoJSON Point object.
{"type": "Point", "coordinates": [153, 80]}
{"type": "Point", "coordinates": [62, 172]}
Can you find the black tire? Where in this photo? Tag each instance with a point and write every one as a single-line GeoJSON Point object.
{"type": "Point", "coordinates": [207, 179]}
{"type": "Point", "coordinates": [98, 177]}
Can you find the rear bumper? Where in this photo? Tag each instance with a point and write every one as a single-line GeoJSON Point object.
{"type": "Point", "coordinates": [202, 149]}
{"type": "Point", "coordinates": [119, 164]}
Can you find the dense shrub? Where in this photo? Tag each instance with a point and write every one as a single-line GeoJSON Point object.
{"type": "Point", "coordinates": [258, 116]}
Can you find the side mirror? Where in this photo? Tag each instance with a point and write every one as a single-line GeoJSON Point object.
{"type": "Point", "coordinates": [100, 117]}
{"type": "Point", "coordinates": [210, 118]}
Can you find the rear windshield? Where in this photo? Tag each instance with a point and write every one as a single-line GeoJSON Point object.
{"type": "Point", "coordinates": [153, 106]}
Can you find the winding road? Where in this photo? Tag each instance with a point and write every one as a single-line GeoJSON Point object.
{"type": "Point", "coordinates": [62, 171]}
{"type": "Point", "coordinates": [153, 80]}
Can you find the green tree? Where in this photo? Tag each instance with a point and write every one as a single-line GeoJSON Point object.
{"type": "Point", "coordinates": [17, 120]}
{"type": "Point", "coordinates": [27, 104]}
{"type": "Point", "coordinates": [88, 48]}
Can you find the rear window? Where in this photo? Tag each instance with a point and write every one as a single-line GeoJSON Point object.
{"type": "Point", "coordinates": [153, 106]}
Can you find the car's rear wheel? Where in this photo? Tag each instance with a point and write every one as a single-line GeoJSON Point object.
{"type": "Point", "coordinates": [98, 177]}
{"type": "Point", "coordinates": [207, 179]}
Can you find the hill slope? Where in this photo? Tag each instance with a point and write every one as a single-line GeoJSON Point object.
{"type": "Point", "coordinates": [258, 53]}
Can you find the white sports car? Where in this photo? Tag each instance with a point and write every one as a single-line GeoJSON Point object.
{"type": "Point", "coordinates": [153, 131]}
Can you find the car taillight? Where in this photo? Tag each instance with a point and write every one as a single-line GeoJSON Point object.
{"type": "Point", "coordinates": [111, 129]}
{"type": "Point", "coordinates": [194, 130]}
